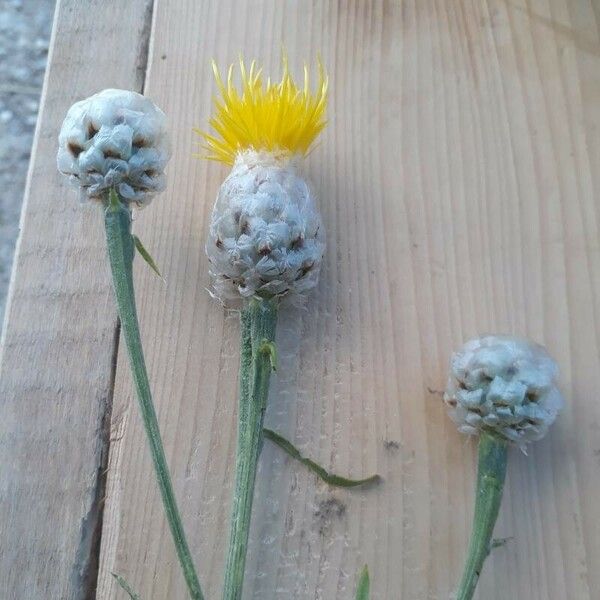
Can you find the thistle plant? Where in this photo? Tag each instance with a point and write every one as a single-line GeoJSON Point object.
{"type": "Point", "coordinates": [114, 147]}
{"type": "Point", "coordinates": [502, 389]}
{"type": "Point", "coordinates": [265, 246]}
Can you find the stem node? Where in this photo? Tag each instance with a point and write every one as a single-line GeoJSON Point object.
{"type": "Point", "coordinates": [269, 349]}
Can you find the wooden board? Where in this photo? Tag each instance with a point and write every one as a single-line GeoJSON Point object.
{"type": "Point", "coordinates": [56, 366]}
{"type": "Point", "coordinates": [458, 180]}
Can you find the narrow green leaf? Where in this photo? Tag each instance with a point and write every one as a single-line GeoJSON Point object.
{"type": "Point", "coordinates": [121, 581]}
{"type": "Point", "coordinates": [364, 585]}
{"type": "Point", "coordinates": [146, 255]}
{"type": "Point", "coordinates": [327, 477]}
{"type": "Point", "coordinates": [271, 349]}
{"type": "Point", "coordinates": [113, 199]}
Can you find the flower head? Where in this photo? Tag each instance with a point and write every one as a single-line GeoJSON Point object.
{"type": "Point", "coordinates": [281, 118]}
{"type": "Point", "coordinates": [504, 385]}
{"type": "Point", "coordinates": [115, 139]}
{"type": "Point", "coordinates": [266, 238]}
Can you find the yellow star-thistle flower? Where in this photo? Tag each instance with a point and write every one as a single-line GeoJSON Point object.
{"type": "Point", "coordinates": [282, 118]}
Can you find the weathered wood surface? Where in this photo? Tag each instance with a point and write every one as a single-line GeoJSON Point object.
{"type": "Point", "coordinates": [56, 367]}
{"type": "Point", "coordinates": [459, 178]}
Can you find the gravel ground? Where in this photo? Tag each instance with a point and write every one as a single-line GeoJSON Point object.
{"type": "Point", "coordinates": [25, 27]}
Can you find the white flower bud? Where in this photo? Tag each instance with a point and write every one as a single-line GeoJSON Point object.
{"type": "Point", "coordinates": [115, 138]}
{"type": "Point", "coordinates": [505, 385]}
{"type": "Point", "coordinates": [266, 238]}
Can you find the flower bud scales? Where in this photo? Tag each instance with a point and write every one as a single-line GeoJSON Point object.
{"type": "Point", "coordinates": [266, 238]}
{"type": "Point", "coordinates": [115, 139]}
{"type": "Point", "coordinates": [504, 385]}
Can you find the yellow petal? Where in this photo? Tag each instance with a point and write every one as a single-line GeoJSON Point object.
{"type": "Point", "coordinates": [279, 116]}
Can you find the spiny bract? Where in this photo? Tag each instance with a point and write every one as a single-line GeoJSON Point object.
{"type": "Point", "coordinates": [266, 237]}
{"type": "Point", "coordinates": [115, 139]}
{"type": "Point", "coordinates": [505, 385]}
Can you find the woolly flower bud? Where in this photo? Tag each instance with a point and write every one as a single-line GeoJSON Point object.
{"type": "Point", "coordinates": [504, 385]}
{"type": "Point", "coordinates": [266, 237]}
{"type": "Point", "coordinates": [115, 139]}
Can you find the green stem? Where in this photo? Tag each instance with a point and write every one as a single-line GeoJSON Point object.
{"type": "Point", "coordinates": [491, 472]}
{"type": "Point", "coordinates": [258, 323]}
{"type": "Point", "coordinates": [120, 242]}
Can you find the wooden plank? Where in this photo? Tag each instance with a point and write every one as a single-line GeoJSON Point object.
{"type": "Point", "coordinates": [59, 337]}
{"type": "Point", "coordinates": [459, 181]}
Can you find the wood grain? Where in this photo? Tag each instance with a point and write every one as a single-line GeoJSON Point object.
{"type": "Point", "coordinates": [459, 178]}
{"type": "Point", "coordinates": [56, 365]}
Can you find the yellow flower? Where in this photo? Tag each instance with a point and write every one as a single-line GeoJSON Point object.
{"type": "Point", "coordinates": [280, 117]}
